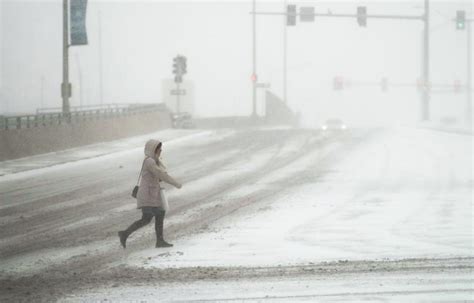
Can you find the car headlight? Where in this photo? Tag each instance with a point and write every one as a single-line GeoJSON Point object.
{"type": "Point", "coordinates": [343, 126]}
{"type": "Point", "coordinates": [324, 127]}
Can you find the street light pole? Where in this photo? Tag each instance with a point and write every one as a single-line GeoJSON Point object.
{"type": "Point", "coordinates": [285, 47]}
{"type": "Point", "coordinates": [254, 57]}
{"type": "Point", "coordinates": [101, 72]}
{"type": "Point", "coordinates": [425, 102]}
{"type": "Point", "coordinates": [469, 75]}
{"type": "Point", "coordinates": [65, 87]}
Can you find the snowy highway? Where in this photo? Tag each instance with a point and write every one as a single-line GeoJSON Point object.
{"type": "Point", "coordinates": [274, 214]}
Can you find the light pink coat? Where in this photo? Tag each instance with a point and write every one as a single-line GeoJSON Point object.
{"type": "Point", "coordinates": [153, 172]}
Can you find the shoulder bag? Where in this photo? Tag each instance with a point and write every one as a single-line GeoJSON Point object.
{"type": "Point", "coordinates": [135, 189]}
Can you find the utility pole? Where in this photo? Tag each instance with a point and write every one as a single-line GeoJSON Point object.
{"type": "Point", "coordinates": [425, 103]}
{"type": "Point", "coordinates": [469, 75]}
{"type": "Point", "coordinates": [285, 49]}
{"type": "Point", "coordinates": [254, 60]}
{"type": "Point", "coordinates": [101, 74]}
{"type": "Point", "coordinates": [66, 86]}
{"type": "Point", "coordinates": [178, 100]}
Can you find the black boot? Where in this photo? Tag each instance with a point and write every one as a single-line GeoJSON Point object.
{"type": "Point", "coordinates": [159, 218]}
{"type": "Point", "coordinates": [123, 235]}
{"type": "Point", "coordinates": [162, 243]}
{"type": "Point", "coordinates": [123, 238]}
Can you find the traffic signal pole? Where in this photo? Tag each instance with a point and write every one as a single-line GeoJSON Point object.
{"type": "Point", "coordinates": [462, 23]}
{"type": "Point", "coordinates": [65, 87]}
{"type": "Point", "coordinates": [425, 103]}
{"type": "Point", "coordinates": [469, 75]}
{"type": "Point", "coordinates": [343, 15]}
{"type": "Point", "coordinates": [179, 70]}
{"type": "Point", "coordinates": [178, 101]}
{"type": "Point", "coordinates": [254, 60]}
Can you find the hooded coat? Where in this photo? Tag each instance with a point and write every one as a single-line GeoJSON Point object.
{"type": "Point", "coordinates": [153, 172]}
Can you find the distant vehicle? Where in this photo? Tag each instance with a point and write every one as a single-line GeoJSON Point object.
{"type": "Point", "coordinates": [333, 125]}
{"type": "Point", "coordinates": [448, 120]}
{"type": "Point", "coordinates": [182, 120]}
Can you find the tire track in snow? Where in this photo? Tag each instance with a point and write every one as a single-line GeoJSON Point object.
{"type": "Point", "coordinates": [92, 262]}
{"type": "Point", "coordinates": [45, 230]}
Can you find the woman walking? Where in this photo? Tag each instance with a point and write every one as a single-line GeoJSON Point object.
{"type": "Point", "coordinates": [148, 197]}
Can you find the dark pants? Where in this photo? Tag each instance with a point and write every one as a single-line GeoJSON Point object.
{"type": "Point", "coordinates": [147, 214]}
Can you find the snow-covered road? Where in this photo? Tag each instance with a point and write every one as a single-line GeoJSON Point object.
{"type": "Point", "coordinates": [274, 199]}
{"type": "Point", "coordinates": [399, 195]}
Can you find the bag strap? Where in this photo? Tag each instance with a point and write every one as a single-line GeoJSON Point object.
{"type": "Point", "coordinates": [140, 175]}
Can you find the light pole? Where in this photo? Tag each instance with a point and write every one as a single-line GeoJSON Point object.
{"type": "Point", "coordinates": [254, 60]}
{"type": "Point", "coordinates": [101, 73]}
{"type": "Point", "coordinates": [469, 75]}
{"type": "Point", "coordinates": [66, 86]}
{"type": "Point", "coordinates": [285, 48]}
{"type": "Point", "coordinates": [425, 103]}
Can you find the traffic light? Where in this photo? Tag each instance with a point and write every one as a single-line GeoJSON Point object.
{"type": "Point", "coordinates": [362, 15]}
{"type": "Point", "coordinates": [253, 78]}
{"type": "Point", "coordinates": [183, 65]}
{"type": "Point", "coordinates": [307, 14]}
{"type": "Point", "coordinates": [179, 68]}
{"type": "Point", "coordinates": [175, 65]}
{"type": "Point", "coordinates": [291, 15]}
{"type": "Point", "coordinates": [460, 20]}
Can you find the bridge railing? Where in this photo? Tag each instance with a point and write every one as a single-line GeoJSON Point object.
{"type": "Point", "coordinates": [54, 116]}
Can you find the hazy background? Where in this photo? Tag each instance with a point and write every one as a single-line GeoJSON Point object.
{"type": "Point", "coordinates": [140, 38]}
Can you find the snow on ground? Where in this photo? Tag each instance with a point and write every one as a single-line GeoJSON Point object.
{"type": "Point", "coordinates": [407, 194]}
{"type": "Point", "coordinates": [34, 165]}
{"type": "Point", "coordinates": [76, 160]}
{"type": "Point", "coordinates": [404, 194]}
{"type": "Point", "coordinates": [350, 287]}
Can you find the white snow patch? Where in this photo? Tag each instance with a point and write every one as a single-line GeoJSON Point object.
{"type": "Point", "coordinates": [402, 196]}
{"type": "Point", "coordinates": [374, 287]}
{"type": "Point", "coordinates": [80, 156]}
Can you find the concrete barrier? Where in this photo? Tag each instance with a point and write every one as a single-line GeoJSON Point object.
{"type": "Point", "coordinates": [18, 143]}
{"type": "Point", "coordinates": [228, 122]}
{"type": "Point", "coordinates": [276, 113]}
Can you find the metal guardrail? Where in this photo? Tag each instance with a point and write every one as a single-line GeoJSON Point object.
{"type": "Point", "coordinates": [49, 110]}
{"type": "Point", "coordinates": [77, 114]}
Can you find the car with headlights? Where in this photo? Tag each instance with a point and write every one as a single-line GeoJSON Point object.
{"type": "Point", "coordinates": [334, 125]}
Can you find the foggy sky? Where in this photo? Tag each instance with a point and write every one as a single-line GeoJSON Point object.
{"type": "Point", "coordinates": [139, 40]}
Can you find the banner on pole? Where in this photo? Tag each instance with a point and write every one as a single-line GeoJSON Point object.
{"type": "Point", "coordinates": [78, 22]}
{"type": "Point", "coordinates": [307, 14]}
